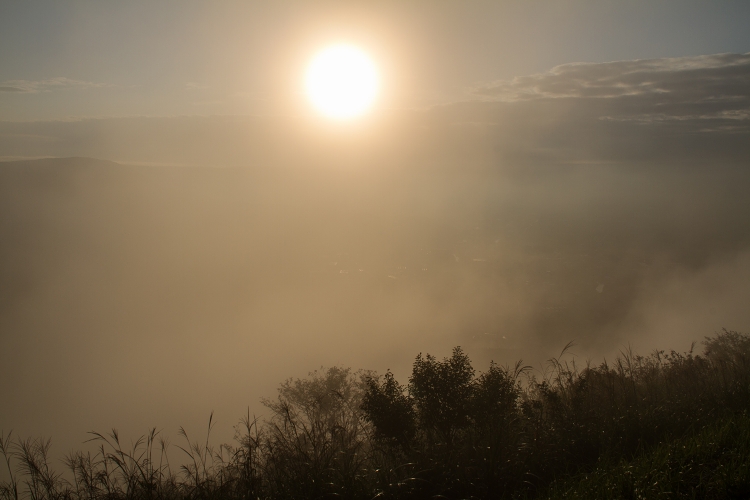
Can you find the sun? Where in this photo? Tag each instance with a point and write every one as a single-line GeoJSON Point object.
{"type": "Point", "coordinates": [342, 82]}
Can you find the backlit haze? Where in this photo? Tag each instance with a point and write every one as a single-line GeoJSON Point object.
{"type": "Point", "coordinates": [183, 226]}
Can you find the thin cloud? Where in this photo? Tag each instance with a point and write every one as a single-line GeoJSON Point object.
{"type": "Point", "coordinates": [615, 110]}
{"type": "Point", "coordinates": [37, 86]}
{"type": "Point", "coordinates": [11, 89]}
{"type": "Point", "coordinates": [729, 114]}
{"type": "Point", "coordinates": [714, 77]}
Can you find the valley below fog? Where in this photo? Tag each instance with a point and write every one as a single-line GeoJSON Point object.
{"type": "Point", "coordinates": [192, 289]}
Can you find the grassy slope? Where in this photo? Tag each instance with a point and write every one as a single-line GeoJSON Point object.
{"type": "Point", "coordinates": [667, 425]}
{"type": "Point", "coordinates": [713, 462]}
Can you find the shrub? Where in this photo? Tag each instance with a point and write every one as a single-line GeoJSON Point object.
{"type": "Point", "coordinates": [638, 427]}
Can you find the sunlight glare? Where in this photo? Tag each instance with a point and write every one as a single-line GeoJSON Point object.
{"type": "Point", "coordinates": [342, 82]}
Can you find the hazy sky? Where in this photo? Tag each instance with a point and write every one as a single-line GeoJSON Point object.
{"type": "Point", "coordinates": [534, 173]}
{"type": "Point", "coordinates": [94, 59]}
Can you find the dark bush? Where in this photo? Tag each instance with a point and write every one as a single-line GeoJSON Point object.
{"type": "Point", "coordinates": [641, 426]}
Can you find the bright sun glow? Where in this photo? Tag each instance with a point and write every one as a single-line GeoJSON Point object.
{"type": "Point", "coordinates": [342, 82]}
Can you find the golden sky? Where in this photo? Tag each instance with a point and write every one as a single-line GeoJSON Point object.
{"type": "Point", "coordinates": [84, 59]}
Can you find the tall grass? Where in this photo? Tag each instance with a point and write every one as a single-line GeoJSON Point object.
{"type": "Point", "coordinates": [713, 463]}
{"type": "Point", "coordinates": [666, 424]}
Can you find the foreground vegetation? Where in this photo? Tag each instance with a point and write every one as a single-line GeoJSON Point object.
{"type": "Point", "coordinates": [670, 425]}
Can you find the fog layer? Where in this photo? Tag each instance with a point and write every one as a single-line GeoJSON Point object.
{"type": "Point", "coordinates": [221, 255]}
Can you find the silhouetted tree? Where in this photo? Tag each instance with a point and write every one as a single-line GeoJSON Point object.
{"type": "Point", "coordinates": [672, 423]}
{"type": "Point", "coordinates": [442, 392]}
{"type": "Point", "coordinates": [317, 443]}
{"type": "Point", "coordinates": [495, 396]}
{"type": "Point", "coordinates": [390, 410]}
